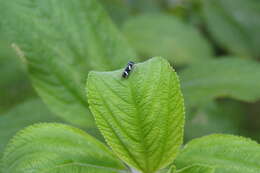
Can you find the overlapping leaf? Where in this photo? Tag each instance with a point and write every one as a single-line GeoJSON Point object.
{"type": "Point", "coordinates": [61, 41]}
{"type": "Point", "coordinates": [141, 117]}
{"type": "Point", "coordinates": [57, 148]}
{"type": "Point", "coordinates": [227, 153]}
{"type": "Point", "coordinates": [226, 77]}
{"type": "Point", "coordinates": [167, 36]}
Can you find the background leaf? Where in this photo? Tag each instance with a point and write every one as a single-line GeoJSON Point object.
{"type": "Point", "coordinates": [167, 36]}
{"type": "Point", "coordinates": [24, 114]}
{"type": "Point", "coordinates": [235, 25]}
{"type": "Point", "coordinates": [50, 147]}
{"type": "Point", "coordinates": [140, 117]}
{"type": "Point", "coordinates": [227, 153]}
{"type": "Point", "coordinates": [226, 77]}
{"type": "Point", "coordinates": [61, 42]}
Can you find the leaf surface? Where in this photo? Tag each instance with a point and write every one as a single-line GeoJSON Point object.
{"type": "Point", "coordinates": [61, 41]}
{"type": "Point", "coordinates": [226, 77]}
{"type": "Point", "coordinates": [227, 153]}
{"type": "Point", "coordinates": [141, 117]}
{"type": "Point", "coordinates": [57, 148]}
{"type": "Point", "coordinates": [167, 36]}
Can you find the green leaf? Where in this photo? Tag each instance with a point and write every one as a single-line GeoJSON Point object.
{"type": "Point", "coordinates": [197, 169]}
{"type": "Point", "coordinates": [140, 117]}
{"type": "Point", "coordinates": [24, 114]}
{"type": "Point", "coordinates": [227, 153]}
{"type": "Point", "coordinates": [61, 41]}
{"type": "Point", "coordinates": [167, 36]}
{"type": "Point", "coordinates": [54, 148]}
{"type": "Point", "coordinates": [226, 77]}
{"type": "Point", "coordinates": [235, 25]}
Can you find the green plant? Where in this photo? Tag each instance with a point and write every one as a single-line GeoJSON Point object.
{"type": "Point", "coordinates": [142, 120]}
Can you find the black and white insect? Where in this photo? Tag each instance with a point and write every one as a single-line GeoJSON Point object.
{"type": "Point", "coordinates": [128, 69]}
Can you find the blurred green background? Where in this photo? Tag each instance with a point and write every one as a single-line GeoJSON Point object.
{"type": "Point", "coordinates": [212, 44]}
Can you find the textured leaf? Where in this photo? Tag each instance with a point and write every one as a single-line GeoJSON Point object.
{"type": "Point", "coordinates": [197, 169]}
{"type": "Point", "coordinates": [226, 77]}
{"type": "Point", "coordinates": [140, 117]}
{"type": "Point", "coordinates": [227, 153]}
{"type": "Point", "coordinates": [168, 36]}
{"type": "Point", "coordinates": [62, 41]}
{"type": "Point", "coordinates": [57, 148]}
{"type": "Point", "coordinates": [24, 114]}
{"type": "Point", "coordinates": [234, 24]}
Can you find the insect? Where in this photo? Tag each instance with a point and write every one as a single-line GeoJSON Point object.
{"type": "Point", "coordinates": [128, 69]}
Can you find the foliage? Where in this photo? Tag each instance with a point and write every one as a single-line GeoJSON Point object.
{"type": "Point", "coordinates": [212, 45]}
{"type": "Point", "coordinates": [180, 43]}
{"type": "Point", "coordinates": [219, 78]}
{"type": "Point", "coordinates": [57, 57]}
{"type": "Point", "coordinates": [142, 123]}
{"type": "Point", "coordinates": [64, 149]}
{"type": "Point", "coordinates": [226, 153]}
